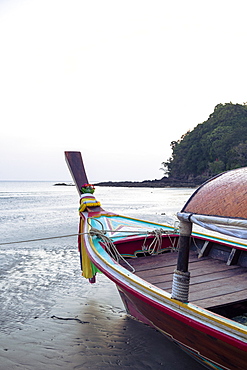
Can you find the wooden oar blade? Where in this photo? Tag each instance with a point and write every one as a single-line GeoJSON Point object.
{"type": "Point", "coordinates": [77, 170]}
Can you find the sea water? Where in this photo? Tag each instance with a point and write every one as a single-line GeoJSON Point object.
{"type": "Point", "coordinates": [39, 261]}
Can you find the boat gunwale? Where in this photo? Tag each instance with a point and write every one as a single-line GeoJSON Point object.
{"type": "Point", "coordinates": [235, 243]}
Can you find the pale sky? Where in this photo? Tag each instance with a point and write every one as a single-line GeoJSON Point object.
{"type": "Point", "coordinates": [116, 80]}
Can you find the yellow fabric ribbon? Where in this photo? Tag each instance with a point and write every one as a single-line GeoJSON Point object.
{"type": "Point", "coordinates": [88, 201]}
{"type": "Point", "coordinates": [88, 268]}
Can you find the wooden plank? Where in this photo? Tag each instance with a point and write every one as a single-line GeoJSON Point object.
{"type": "Point", "coordinates": [218, 275]}
{"type": "Point", "coordinates": [223, 299]}
{"type": "Point", "coordinates": [206, 287]}
{"type": "Point", "coordinates": [209, 267]}
{"type": "Point", "coordinates": [202, 275]}
{"type": "Point", "coordinates": [204, 291]}
{"type": "Point", "coordinates": [164, 286]}
{"type": "Point", "coordinates": [206, 248]}
{"type": "Point", "coordinates": [216, 272]}
{"type": "Point", "coordinates": [234, 256]}
{"type": "Point", "coordinates": [197, 267]}
{"type": "Point", "coordinates": [210, 287]}
{"type": "Point", "coordinates": [213, 282]}
{"type": "Point", "coordinates": [227, 284]}
{"type": "Point", "coordinates": [170, 259]}
{"type": "Point", "coordinates": [152, 273]}
{"type": "Point", "coordinates": [165, 278]}
{"type": "Point", "coordinates": [157, 261]}
{"type": "Point", "coordinates": [77, 170]}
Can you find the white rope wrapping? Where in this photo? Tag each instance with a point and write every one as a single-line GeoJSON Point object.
{"type": "Point", "coordinates": [180, 286]}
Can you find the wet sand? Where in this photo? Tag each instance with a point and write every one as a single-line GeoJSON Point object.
{"type": "Point", "coordinates": [89, 330]}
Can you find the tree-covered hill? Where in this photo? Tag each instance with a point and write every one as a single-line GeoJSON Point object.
{"type": "Point", "coordinates": [214, 146]}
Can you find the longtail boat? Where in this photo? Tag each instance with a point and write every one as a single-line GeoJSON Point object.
{"type": "Point", "coordinates": [188, 285]}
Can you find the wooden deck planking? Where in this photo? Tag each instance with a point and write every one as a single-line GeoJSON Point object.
{"type": "Point", "coordinates": [199, 269]}
{"type": "Point", "coordinates": [212, 281]}
{"type": "Point", "coordinates": [223, 299]}
{"type": "Point", "coordinates": [152, 262]}
{"type": "Point", "coordinates": [195, 279]}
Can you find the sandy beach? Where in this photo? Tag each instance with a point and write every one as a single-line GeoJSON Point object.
{"type": "Point", "coordinates": [89, 332]}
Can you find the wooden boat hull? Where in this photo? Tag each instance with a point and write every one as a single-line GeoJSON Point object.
{"type": "Point", "coordinates": [213, 340]}
{"type": "Point", "coordinates": [209, 350]}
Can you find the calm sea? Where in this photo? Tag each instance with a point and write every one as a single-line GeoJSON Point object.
{"type": "Point", "coordinates": [34, 274]}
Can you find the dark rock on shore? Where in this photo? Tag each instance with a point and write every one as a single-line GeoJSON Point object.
{"type": "Point", "coordinates": [163, 183]}
{"type": "Point", "coordinates": [63, 184]}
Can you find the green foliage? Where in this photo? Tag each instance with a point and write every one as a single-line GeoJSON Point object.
{"type": "Point", "coordinates": [214, 146]}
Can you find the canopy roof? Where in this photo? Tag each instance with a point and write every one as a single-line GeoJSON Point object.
{"type": "Point", "coordinates": [224, 195]}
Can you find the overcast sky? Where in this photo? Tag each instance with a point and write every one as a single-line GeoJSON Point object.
{"type": "Point", "coordinates": [116, 80]}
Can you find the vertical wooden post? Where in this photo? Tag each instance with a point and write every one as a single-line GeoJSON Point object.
{"type": "Point", "coordinates": [184, 245]}
{"type": "Point", "coordinates": [181, 276]}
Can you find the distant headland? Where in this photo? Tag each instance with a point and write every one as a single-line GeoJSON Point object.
{"type": "Point", "coordinates": [63, 184]}
{"type": "Point", "coordinates": [212, 147]}
{"type": "Point", "coordinates": [163, 183]}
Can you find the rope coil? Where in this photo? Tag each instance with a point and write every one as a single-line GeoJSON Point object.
{"type": "Point", "coordinates": [156, 245]}
{"type": "Point", "coordinates": [109, 245]}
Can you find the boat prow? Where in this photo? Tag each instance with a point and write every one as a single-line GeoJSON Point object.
{"type": "Point", "coordinates": [189, 286]}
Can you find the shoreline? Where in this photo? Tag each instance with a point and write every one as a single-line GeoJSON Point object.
{"type": "Point", "coordinates": [150, 184]}
{"type": "Point", "coordinates": [163, 183]}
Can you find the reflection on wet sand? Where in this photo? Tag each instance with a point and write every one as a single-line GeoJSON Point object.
{"type": "Point", "coordinates": [89, 329]}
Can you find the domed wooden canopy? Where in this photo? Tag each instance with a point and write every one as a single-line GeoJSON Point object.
{"type": "Point", "coordinates": [224, 195]}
